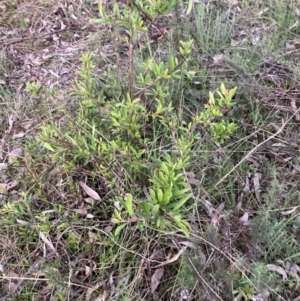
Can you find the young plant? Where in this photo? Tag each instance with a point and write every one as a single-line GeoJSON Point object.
{"type": "Point", "coordinates": [134, 145]}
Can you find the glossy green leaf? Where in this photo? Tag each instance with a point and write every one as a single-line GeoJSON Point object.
{"type": "Point", "coordinates": [146, 207]}
{"type": "Point", "coordinates": [49, 147]}
{"type": "Point", "coordinates": [155, 210]}
{"type": "Point", "coordinates": [119, 229]}
{"type": "Point", "coordinates": [129, 205]}
{"type": "Point", "coordinates": [190, 6]}
{"type": "Point", "coordinates": [181, 202]}
{"type": "Point", "coordinates": [159, 194]}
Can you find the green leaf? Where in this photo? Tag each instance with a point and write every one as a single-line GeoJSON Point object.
{"type": "Point", "coordinates": [145, 207]}
{"type": "Point", "coordinates": [231, 93]}
{"type": "Point", "coordinates": [223, 89]}
{"type": "Point", "coordinates": [179, 193]}
{"type": "Point", "coordinates": [119, 229]}
{"type": "Point", "coordinates": [165, 168]}
{"type": "Point", "coordinates": [172, 63]}
{"type": "Point", "coordinates": [116, 10]}
{"type": "Point", "coordinates": [211, 100]}
{"type": "Point", "coordinates": [101, 9]}
{"type": "Point", "coordinates": [153, 195]}
{"type": "Point", "coordinates": [181, 202]}
{"type": "Point", "coordinates": [155, 210]}
{"type": "Point", "coordinates": [167, 195]}
{"type": "Point", "coordinates": [190, 6]}
{"type": "Point", "coordinates": [160, 222]}
{"type": "Point", "coordinates": [117, 215]}
{"type": "Point", "coordinates": [129, 205]}
{"type": "Point", "coordinates": [184, 226]}
{"type": "Point", "coordinates": [49, 147]}
{"type": "Point", "coordinates": [162, 177]}
{"type": "Point", "coordinates": [141, 225]}
{"type": "Point", "coordinates": [160, 195]}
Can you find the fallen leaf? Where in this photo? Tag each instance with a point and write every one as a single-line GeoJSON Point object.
{"type": "Point", "coordinates": [256, 183]}
{"type": "Point", "coordinates": [184, 294]}
{"type": "Point", "coordinates": [92, 237]}
{"type": "Point", "coordinates": [90, 290]}
{"type": "Point", "coordinates": [292, 270]}
{"type": "Point", "coordinates": [89, 191]}
{"type": "Point", "coordinates": [191, 179]}
{"type": "Point", "coordinates": [3, 166]}
{"type": "Point", "coordinates": [218, 58]}
{"type": "Point", "coordinates": [3, 188]}
{"type": "Point", "coordinates": [90, 201]}
{"type": "Point", "coordinates": [108, 229]}
{"type": "Point", "coordinates": [81, 211]}
{"type": "Point", "coordinates": [24, 223]}
{"type": "Point", "coordinates": [19, 135]}
{"type": "Point", "coordinates": [172, 259]}
{"type": "Point", "coordinates": [277, 269]}
{"type": "Point", "coordinates": [261, 12]}
{"type": "Point", "coordinates": [188, 244]}
{"type": "Point", "coordinates": [288, 212]}
{"type": "Point", "coordinates": [209, 207]}
{"type": "Point", "coordinates": [14, 154]}
{"type": "Point", "coordinates": [47, 242]}
{"type": "Point", "coordinates": [294, 106]}
{"type": "Point", "coordinates": [11, 184]}
{"type": "Point", "coordinates": [11, 120]}
{"type": "Point", "coordinates": [244, 219]}
{"type": "Point", "coordinates": [155, 279]}
{"type": "Point", "coordinates": [255, 40]}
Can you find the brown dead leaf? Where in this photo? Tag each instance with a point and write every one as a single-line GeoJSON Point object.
{"type": "Point", "coordinates": [19, 135]}
{"type": "Point", "coordinates": [191, 179]}
{"type": "Point", "coordinates": [288, 212]}
{"type": "Point", "coordinates": [89, 191]}
{"type": "Point", "coordinates": [11, 120]}
{"type": "Point", "coordinates": [3, 188]}
{"type": "Point", "coordinates": [244, 219]}
{"type": "Point", "coordinates": [48, 242]}
{"type": "Point", "coordinates": [294, 106]}
{"type": "Point", "coordinates": [277, 269]}
{"type": "Point", "coordinates": [92, 236]}
{"type": "Point", "coordinates": [256, 182]}
{"type": "Point", "coordinates": [90, 201]}
{"type": "Point", "coordinates": [255, 40]}
{"type": "Point", "coordinates": [218, 58]}
{"type": "Point", "coordinates": [81, 211]}
{"type": "Point", "coordinates": [24, 223]}
{"type": "Point", "coordinates": [155, 279]}
{"type": "Point", "coordinates": [292, 270]}
{"type": "Point", "coordinates": [90, 290]}
{"type": "Point", "coordinates": [214, 214]}
{"type": "Point", "coordinates": [188, 244]}
{"type": "Point", "coordinates": [3, 166]}
{"type": "Point", "coordinates": [261, 12]}
{"type": "Point", "coordinates": [11, 184]}
{"type": "Point", "coordinates": [172, 259]}
{"type": "Point", "coordinates": [14, 154]}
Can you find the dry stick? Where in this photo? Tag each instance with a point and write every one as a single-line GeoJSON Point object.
{"type": "Point", "coordinates": [256, 148]}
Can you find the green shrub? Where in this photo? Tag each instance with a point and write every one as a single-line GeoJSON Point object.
{"type": "Point", "coordinates": [135, 147]}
